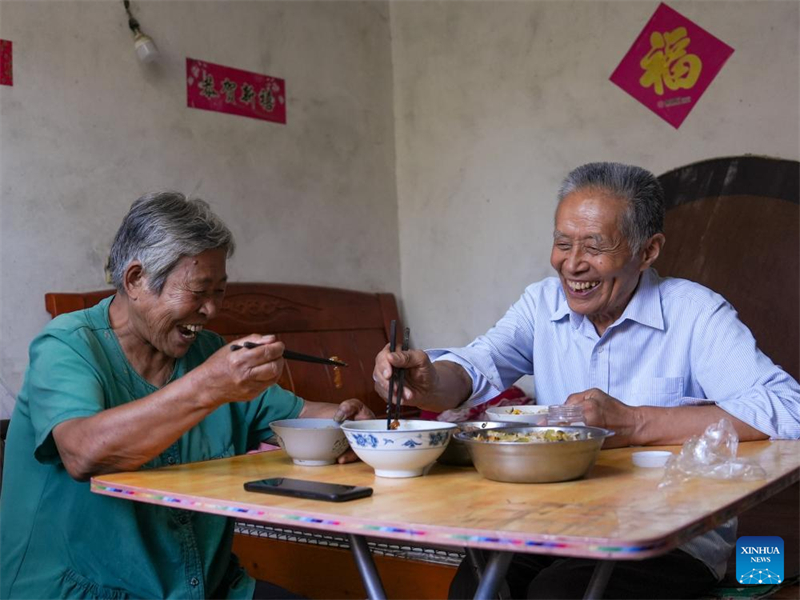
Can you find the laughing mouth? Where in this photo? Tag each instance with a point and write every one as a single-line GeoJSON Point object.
{"type": "Point", "coordinates": [582, 286]}
{"type": "Point", "coordinates": [190, 331]}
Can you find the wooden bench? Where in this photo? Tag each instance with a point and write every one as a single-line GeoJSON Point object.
{"type": "Point", "coordinates": [314, 320]}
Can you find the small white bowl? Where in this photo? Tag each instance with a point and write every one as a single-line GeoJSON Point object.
{"type": "Point", "coordinates": [403, 452]}
{"type": "Point", "coordinates": [530, 414]}
{"type": "Point", "coordinates": [651, 458]}
{"type": "Point", "coordinates": [310, 442]}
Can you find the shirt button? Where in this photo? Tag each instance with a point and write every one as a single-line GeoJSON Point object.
{"type": "Point", "coordinates": [194, 582]}
{"type": "Point", "coordinates": [170, 460]}
{"type": "Point", "coordinates": [600, 350]}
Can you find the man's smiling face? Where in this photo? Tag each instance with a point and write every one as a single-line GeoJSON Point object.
{"type": "Point", "coordinates": [597, 269]}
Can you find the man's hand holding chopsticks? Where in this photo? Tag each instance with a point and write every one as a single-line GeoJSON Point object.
{"type": "Point", "coordinates": [420, 376]}
{"type": "Point", "coordinates": [431, 386]}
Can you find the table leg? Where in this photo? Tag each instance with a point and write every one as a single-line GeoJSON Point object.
{"type": "Point", "coordinates": [493, 575]}
{"type": "Point", "coordinates": [366, 567]}
{"type": "Point", "coordinates": [599, 580]}
{"type": "Point", "coordinates": [477, 562]}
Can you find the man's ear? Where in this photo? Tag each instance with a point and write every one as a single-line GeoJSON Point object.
{"type": "Point", "coordinates": [652, 249]}
{"type": "Point", "coordinates": [133, 280]}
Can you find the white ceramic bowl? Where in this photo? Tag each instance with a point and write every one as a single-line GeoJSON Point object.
{"type": "Point", "coordinates": [530, 414]}
{"type": "Point", "coordinates": [311, 442]}
{"type": "Point", "coordinates": [651, 458]}
{"type": "Point", "coordinates": [402, 452]}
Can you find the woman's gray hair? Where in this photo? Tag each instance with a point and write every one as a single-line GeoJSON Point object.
{"type": "Point", "coordinates": [639, 187]}
{"type": "Point", "coordinates": [158, 230]}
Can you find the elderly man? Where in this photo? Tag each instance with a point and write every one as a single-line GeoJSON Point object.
{"type": "Point", "coordinates": [138, 382]}
{"type": "Point", "coordinates": [656, 360]}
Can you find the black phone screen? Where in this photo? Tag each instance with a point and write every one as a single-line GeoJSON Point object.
{"type": "Point", "coordinates": [314, 490]}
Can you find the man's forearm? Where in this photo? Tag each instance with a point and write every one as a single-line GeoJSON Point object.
{"type": "Point", "coordinates": [451, 387]}
{"type": "Point", "coordinates": [667, 426]}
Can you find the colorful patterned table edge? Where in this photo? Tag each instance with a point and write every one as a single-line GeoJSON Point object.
{"type": "Point", "coordinates": [584, 548]}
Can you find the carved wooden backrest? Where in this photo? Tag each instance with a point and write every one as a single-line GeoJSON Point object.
{"type": "Point", "coordinates": [313, 320]}
{"type": "Point", "coordinates": [732, 225]}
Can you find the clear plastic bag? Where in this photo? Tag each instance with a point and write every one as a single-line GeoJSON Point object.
{"type": "Point", "coordinates": [712, 455]}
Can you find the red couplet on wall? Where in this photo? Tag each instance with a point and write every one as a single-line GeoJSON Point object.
{"type": "Point", "coordinates": [671, 64]}
{"type": "Point", "coordinates": [228, 90]}
{"type": "Point", "coordinates": [6, 70]}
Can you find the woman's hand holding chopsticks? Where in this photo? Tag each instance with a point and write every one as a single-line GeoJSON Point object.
{"type": "Point", "coordinates": [238, 376]}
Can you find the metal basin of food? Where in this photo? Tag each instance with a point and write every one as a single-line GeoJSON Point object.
{"type": "Point", "coordinates": [535, 461]}
{"type": "Point", "coordinates": [456, 453]}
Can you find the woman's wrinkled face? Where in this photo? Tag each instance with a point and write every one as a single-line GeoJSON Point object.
{"type": "Point", "coordinates": [191, 296]}
{"type": "Point", "coordinates": [598, 272]}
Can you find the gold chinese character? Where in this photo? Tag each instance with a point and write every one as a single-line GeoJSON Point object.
{"type": "Point", "coordinates": [668, 64]}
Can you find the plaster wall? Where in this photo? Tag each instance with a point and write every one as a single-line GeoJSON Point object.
{"type": "Point", "coordinates": [86, 129]}
{"type": "Point", "coordinates": [496, 101]}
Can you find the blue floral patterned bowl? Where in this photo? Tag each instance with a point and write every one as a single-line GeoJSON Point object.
{"type": "Point", "coordinates": [402, 452]}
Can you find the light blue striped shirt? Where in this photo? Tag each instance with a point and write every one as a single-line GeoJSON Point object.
{"type": "Point", "coordinates": [677, 343]}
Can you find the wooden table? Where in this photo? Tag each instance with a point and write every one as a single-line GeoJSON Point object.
{"type": "Point", "coordinates": [616, 513]}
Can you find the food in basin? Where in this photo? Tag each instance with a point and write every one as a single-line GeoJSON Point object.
{"type": "Point", "coordinates": [456, 453]}
{"type": "Point", "coordinates": [534, 454]}
{"type": "Point", "coordinates": [403, 452]}
{"type": "Point", "coordinates": [311, 442]}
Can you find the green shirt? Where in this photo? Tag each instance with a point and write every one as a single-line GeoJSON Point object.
{"type": "Point", "coordinates": [58, 539]}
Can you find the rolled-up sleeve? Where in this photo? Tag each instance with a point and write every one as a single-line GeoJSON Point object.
{"type": "Point", "coordinates": [496, 360]}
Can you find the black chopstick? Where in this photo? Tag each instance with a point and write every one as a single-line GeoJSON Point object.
{"type": "Point", "coordinates": [401, 376]}
{"type": "Point", "coordinates": [290, 355]}
{"type": "Point", "coordinates": [392, 346]}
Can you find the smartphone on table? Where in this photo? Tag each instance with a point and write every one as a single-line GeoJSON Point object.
{"type": "Point", "coordinates": [313, 490]}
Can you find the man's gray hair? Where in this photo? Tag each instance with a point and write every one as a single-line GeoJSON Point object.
{"type": "Point", "coordinates": [161, 228]}
{"type": "Point", "coordinates": [639, 187]}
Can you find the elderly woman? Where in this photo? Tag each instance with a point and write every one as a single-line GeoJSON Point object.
{"type": "Point", "coordinates": [138, 382]}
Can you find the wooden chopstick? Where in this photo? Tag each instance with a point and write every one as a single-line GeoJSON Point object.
{"type": "Point", "coordinates": [291, 355]}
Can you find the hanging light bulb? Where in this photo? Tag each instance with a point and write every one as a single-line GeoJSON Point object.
{"type": "Point", "coordinates": [146, 48]}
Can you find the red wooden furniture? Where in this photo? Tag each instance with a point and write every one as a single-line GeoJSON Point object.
{"type": "Point", "coordinates": [313, 320]}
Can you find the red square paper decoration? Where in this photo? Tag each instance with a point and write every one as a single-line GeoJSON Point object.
{"type": "Point", "coordinates": [671, 64]}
